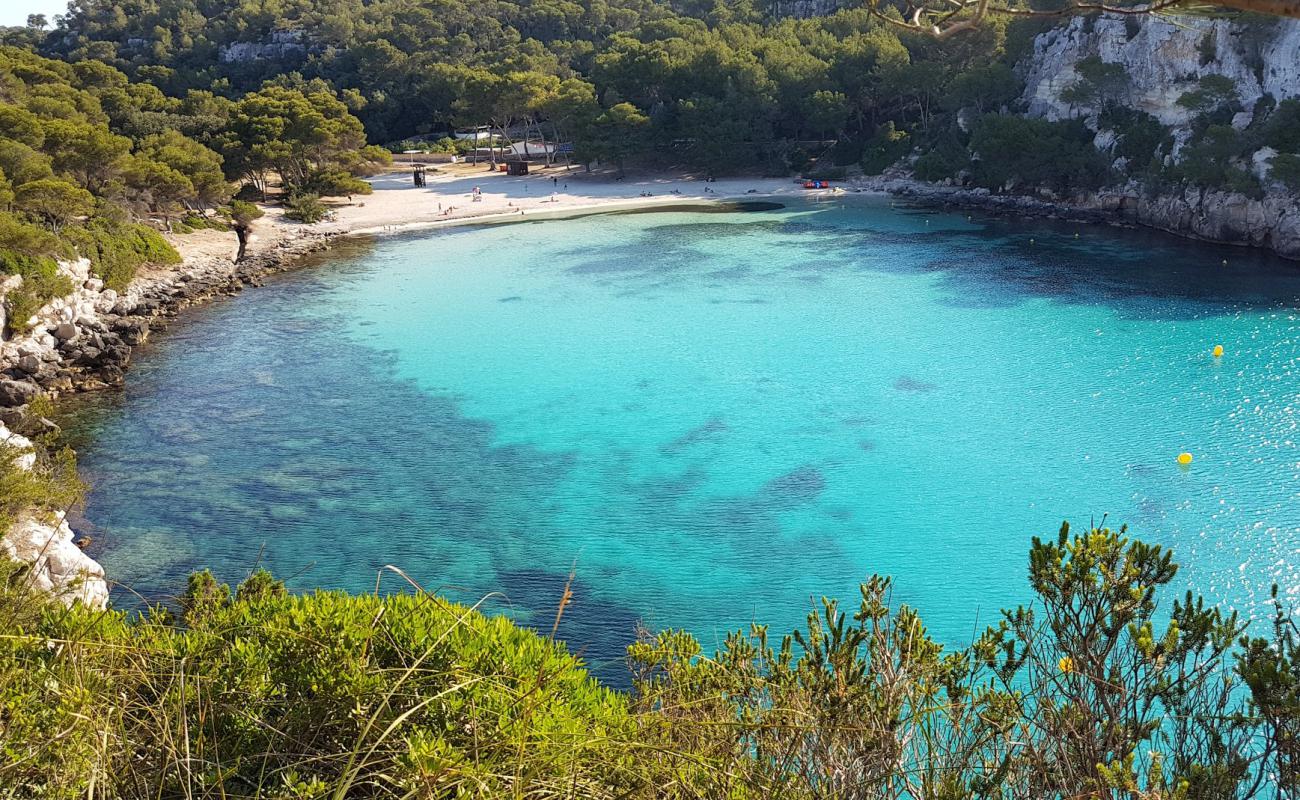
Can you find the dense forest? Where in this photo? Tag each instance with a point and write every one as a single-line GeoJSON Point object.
{"type": "Point", "coordinates": [722, 86]}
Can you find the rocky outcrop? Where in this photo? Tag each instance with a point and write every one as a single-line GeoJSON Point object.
{"type": "Point", "coordinates": [84, 341]}
{"type": "Point", "coordinates": [1162, 59]}
{"type": "Point", "coordinates": [1271, 222]}
{"type": "Point", "coordinates": [45, 543]}
{"type": "Point", "coordinates": [279, 46]}
{"type": "Point", "coordinates": [804, 9]}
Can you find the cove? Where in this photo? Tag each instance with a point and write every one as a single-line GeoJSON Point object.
{"type": "Point", "coordinates": [712, 418]}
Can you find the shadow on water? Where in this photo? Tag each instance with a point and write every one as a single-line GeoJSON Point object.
{"type": "Point", "coordinates": [998, 262]}
{"type": "Point", "coordinates": [983, 261]}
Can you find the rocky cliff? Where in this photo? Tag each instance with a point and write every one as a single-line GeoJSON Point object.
{"type": "Point", "coordinates": [1165, 57]}
{"type": "Point", "coordinates": [1162, 59]}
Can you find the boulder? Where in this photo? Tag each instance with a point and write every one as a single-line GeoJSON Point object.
{"type": "Point", "coordinates": [65, 330]}
{"type": "Point", "coordinates": [17, 393]}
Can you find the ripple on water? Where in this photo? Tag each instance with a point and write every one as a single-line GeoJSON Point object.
{"type": "Point", "coordinates": [714, 418]}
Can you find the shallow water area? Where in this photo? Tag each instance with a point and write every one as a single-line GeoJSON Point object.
{"type": "Point", "coordinates": [713, 418]}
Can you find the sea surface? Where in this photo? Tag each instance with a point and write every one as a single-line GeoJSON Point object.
{"type": "Point", "coordinates": [713, 418]}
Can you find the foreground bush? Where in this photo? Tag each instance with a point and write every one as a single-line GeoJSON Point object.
{"type": "Point", "coordinates": [1093, 692]}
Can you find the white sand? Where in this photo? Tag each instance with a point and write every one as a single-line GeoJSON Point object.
{"type": "Point", "coordinates": [447, 199]}
{"type": "Point", "coordinates": [398, 204]}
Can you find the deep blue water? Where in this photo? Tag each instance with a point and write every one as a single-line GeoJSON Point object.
{"type": "Point", "coordinates": [712, 418]}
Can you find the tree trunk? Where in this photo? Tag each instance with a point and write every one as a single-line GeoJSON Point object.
{"type": "Point", "coordinates": [541, 134]}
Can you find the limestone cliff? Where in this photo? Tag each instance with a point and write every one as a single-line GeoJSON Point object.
{"type": "Point", "coordinates": [1165, 57]}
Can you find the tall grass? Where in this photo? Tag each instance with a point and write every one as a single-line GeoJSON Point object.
{"type": "Point", "coordinates": [1095, 691]}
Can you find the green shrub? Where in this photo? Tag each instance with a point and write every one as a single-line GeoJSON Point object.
{"type": "Point", "coordinates": [198, 223]}
{"type": "Point", "coordinates": [249, 193]}
{"type": "Point", "coordinates": [1211, 93]}
{"type": "Point", "coordinates": [1285, 168]}
{"type": "Point", "coordinates": [444, 145]}
{"type": "Point", "coordinates": [19, 238]}
{"type": "Point", "coordinates": [306, 208]}
{"type": "Point", "coordinates": [1282, 129]}
{"type": "Point", "coordinates": [50, 485]}
{"type": "Point", "coordinates": [259, 693]}
{"type": "Point", "coordinates": [242, 213]}
{"type": "Point", "coordinates": [42, 282]}
{"type": "Point", "coordinates": [1210, 159]}
{"type": "Point", "coordinates": [365, 696]}
{"type": "Point", "coordinates": [117, 249]}
{"type": "Point", "coordinates": [1140, 136]}
{"type": "Point", "coordinates": [336, 183]}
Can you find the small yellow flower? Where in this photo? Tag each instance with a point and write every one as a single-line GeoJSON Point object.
{"type": "Point", "coordinates": [1066, 664]}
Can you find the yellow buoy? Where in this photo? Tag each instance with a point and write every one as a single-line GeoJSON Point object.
{"type": "Point", "coordinates": [1184, 458]}
{"type": "Point", "coordinates": [1218, 351]}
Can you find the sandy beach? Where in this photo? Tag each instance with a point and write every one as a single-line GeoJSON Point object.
{"type": "Point", "coordinates": [448, 199]}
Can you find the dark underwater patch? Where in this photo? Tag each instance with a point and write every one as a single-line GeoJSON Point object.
{"type": "Point", "coordinates": [800, 485]}
{"type": "Point", "coordinates": [708, 430]}
{"type": "Point", "coordinates": [596, 630]}
{"type": "Point", "coordinates": [910, 384]}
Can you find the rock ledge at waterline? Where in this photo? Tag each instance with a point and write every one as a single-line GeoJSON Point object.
{"type": "Point", "coordinates": [83, 342]}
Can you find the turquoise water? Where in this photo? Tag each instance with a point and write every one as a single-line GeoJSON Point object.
{"type": "Point", "coordinates": [712, 418]}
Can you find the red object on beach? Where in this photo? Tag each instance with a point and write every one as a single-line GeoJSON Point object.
{"type": "Point", "coordinates": [807, 184]}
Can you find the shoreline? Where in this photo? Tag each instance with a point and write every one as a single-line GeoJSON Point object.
{"type": "Point", "coordinates": [1271, 224]}
{"type": "Point", "coordinates": [84, 342]}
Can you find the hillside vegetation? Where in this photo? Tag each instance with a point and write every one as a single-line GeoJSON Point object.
{"type": "Point", "coordinates": [93, 165]}
{"type": "Point", "coordinates": [718, 86]}
{"type": "Point", "coordinates": [1096, 690]}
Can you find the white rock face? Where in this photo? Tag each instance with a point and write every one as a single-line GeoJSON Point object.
{"type": "Point", "coordinates": [55, 322]}
{"type": "Point", "coordinates": [57, 565]}
{"type": "Point", "coordinates": [1282, 62]}
{"type": "Point", "coordinates": [1164, 60]}
{"type": "Point", "coordinates": [280, 45]}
